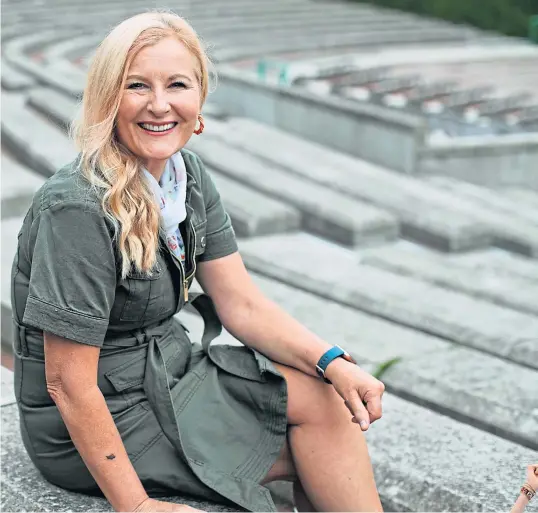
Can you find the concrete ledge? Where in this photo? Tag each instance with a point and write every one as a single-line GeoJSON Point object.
{"type": "Point", "coordinates": [34, 141]}
{"type": "Point", "coordinates": [493, 161]}
{"type": "Point", "coordinates": [253, 213]}
{"type": "Point", "coordinates": [363, 130]}
{"type": "Point", "coordinates": [57, 107]}
{"type": "Point", "coordinates": [19, 185]}
{"type": "Point", "coordinates": [511, 292]}
{"type": "Point", "coordinates": [426, 214]}
{"type": "Point", "coordinates": [297, 260]}
{"type": "Point", "coordinates": [324, 211]}
{"type": "Point", "coordinates": [14, 80]}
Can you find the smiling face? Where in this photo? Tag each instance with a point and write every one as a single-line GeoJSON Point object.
{"type": "Point", "coordinates": [160, 103]}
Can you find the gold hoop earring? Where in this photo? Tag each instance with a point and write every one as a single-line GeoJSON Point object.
{"type": "Point", "coordinates": [200, 129]}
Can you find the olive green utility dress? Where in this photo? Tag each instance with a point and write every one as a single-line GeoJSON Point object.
{"type": "Point", "coordinates": [197, 419]}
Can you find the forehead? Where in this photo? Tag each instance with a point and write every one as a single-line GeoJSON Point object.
{"type": "Point", "coordinates": [166, 57]}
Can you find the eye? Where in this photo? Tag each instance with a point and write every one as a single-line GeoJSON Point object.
{"type": "Point", "coordinates": [181, 85]}
{"type": "Point", "coordinates": [136, 85]}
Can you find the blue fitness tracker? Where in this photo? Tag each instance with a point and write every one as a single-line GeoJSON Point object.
{"type": "Point", "coordinates": [333, 353]}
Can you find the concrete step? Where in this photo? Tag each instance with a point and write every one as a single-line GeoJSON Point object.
{"type": "Point", "coordinates": [421, 217]}
{"type": "Point", "coordinates": [333, 272]}
{"type": "Point", "coordinates": [16, 52]}
{"type": "Point", "coordinates": [522, 196]}
{"type": "Point", "coordinates": [53, 105]}
{"type": "Point", "coordinates": [411, 449]}
{"type": "Point", "coordinates": [253, 213]}
{"type": "Point", "coordinates": [33, 140]}
{"type": "Point", "coordinates": [325, 212]}
{"type": "Point", "coordinates": [490, 200]}
{"type": "Point", "coordinates": [14, 80]}
{"type": "Point", "coordinates": [19, 185]}
{"type": "Point", "coordinates": [442, 270]}
{"type": "Point", "coordinates": [500, 262]}
{"type": "Point", "coordinates": [428, 214]}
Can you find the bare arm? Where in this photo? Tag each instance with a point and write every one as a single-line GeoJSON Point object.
{"type": "Point", "coordinates": [71, 373]}
{"type": "Point", "coordinates": [255, 320]}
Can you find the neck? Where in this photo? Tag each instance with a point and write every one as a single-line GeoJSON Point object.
{"type": "Point", "coordinates": [156, 168]}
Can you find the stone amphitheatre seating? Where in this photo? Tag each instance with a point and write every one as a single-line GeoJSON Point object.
{"type": "Point", "coordinates": [433, 280]}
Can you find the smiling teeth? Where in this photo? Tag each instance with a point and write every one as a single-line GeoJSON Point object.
{"type": "Point", "coordinates": [157, 128]}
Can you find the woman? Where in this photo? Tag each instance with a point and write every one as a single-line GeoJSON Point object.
{"type": "Point", "coordinates": [113, 396]}
{"type": "Point", "coordinates": [528, 490]}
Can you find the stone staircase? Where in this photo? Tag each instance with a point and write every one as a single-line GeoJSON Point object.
{"type": "Point", "coordinates": [434, 281]}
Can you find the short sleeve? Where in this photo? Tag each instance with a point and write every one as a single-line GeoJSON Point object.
{"type": "Point", "coordinates": [73, 273]}
{"type": "Point", "coordinates": [220, 235]}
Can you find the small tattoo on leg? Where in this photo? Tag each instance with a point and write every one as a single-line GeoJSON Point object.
{"type": "Point", "coordinates": [110, 457]}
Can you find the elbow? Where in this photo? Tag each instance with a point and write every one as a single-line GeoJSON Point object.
{"type": "Point", "coordinates": [56, 389]}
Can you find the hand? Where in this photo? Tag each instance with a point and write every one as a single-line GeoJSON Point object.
{"type": "Point", "coordinates": [361, 391]}
{"type": "Point", "coordinates": [154, 506]}
{"type": "Point", "coordinates": [532, 476]}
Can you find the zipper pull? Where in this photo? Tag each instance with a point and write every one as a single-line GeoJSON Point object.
{"type": "Point", "coordinates": [185, 291]}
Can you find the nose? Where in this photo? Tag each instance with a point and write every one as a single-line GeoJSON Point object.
{"type": "Point", "coordinates": [158, 103]}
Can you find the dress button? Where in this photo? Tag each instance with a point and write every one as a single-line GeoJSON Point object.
{"type": "Point", "coordinates": [202, 242]}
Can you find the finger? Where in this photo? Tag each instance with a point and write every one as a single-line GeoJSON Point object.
{"type": "Point", "coordinates": [374, 408]}
{"type": "Point", "coordinates": [358, 410]}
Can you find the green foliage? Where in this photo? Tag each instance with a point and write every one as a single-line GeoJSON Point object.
{"type": "Point", "coordinates": [509, 17]}
{"type": "Point", "coordinates": [384, 366]}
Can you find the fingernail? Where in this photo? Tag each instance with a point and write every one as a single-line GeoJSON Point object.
{"type": "Point", "coordinates": [364, 424]}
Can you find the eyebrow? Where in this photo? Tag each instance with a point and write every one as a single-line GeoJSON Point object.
{"type": "Point", "coordinates": [171, 77]}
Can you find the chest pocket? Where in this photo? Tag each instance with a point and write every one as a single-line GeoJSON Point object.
{"type": "Point", "coordinates": [139, 291]}
{"type": "Point", "coordinates": [140, 297]}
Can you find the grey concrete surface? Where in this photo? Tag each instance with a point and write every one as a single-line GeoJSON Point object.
{"type": "Point", "coordinates": [14, 80]}
{"type": "Point", "coordinates": [425, 214]}
{"type": "Point", "coordinates": [516, 293]}
{"type": "Point", "coordinates": [18, 187]}
{"type": "Point", "coordinates": [489, 199]}
{"type": "Point", "coordinates": [501, 262]}
{"type": "Point", "coordinates": [55, 106]}
{"type": "Point", "coordinates": [318, 266]}
{"type": "Point", "coordinates": [253, 213]}
{"type": "Point", "coordinates": [32, 139]}
{"type": "Point", "coordinates": [336, 217]}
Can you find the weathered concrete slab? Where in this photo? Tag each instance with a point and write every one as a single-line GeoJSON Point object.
{"type": "Point", "coordinates": [19, 185]}
{"type": "Point", "coordinates": [462, 383]}
{"type": "Point", "coordinates": [501, 262]}
{"type": "Point", "coordinates": [254, 213]}
{"type": "Point", "coordinates": [422, 218]}
{"type": "Point", "coordinates": [488, 199]}
{"type": "Point", "coordinates": [444, 271]}
{"type": "Point", "coordinates": [326, 212]}
{"type": "Point", "coordinates": [481, 390]}
{"type": "Point", "coordinates": [333, 272]}
{"type": "Point", "coordinates": [424, 461]}
{"type": "Point", "coordinates": [14, 80]}
{"type": "Point", "coordinates": [57, 107]}
{"type": "Point", "coordinates": [522, 196]}
{"type": "Point", "coordinates": [32, 140]}
{"type": "Point", "coordinates": [386, 189]}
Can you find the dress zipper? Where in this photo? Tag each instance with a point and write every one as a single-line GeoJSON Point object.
{"type": "Point", "coordinates": [182, 266]}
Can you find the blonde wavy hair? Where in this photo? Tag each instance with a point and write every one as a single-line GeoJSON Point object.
{"type": "Point", "coordinates": [112, 170]}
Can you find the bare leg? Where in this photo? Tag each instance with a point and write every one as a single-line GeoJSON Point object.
{"type": "Point", "coordinates": [302, 503]}
{"type": "Point", "coordinates": [329, 451]}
